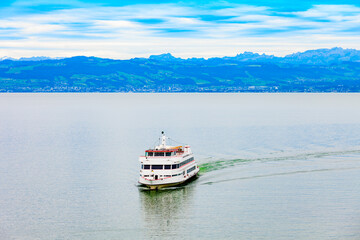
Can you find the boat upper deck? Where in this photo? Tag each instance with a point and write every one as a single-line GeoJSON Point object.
{"type": "Point", "coordinates": [169, 152]}
{"type": "Point", "coordinates": [165, 152]}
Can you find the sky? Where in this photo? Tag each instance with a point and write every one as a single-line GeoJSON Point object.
{"type": "Point", "coordinates": [138, 28]}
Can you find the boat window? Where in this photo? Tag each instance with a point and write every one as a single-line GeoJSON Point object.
{"type": "Point", "coordinates": [142, 166]}
{"type": "Point", "coordinates": [167, 166]}
{"type": "Point", "coordinates": [157, 166]}
{"type": "Point", "coordinates": [167, 175]}
{"type": "Point", "coordinates": [146, 175]}
{"type": "Point", "coordinates": [174, 166]}
{"type": "Point", "coordinates": [146, 166]}
{"type": "Point", "coordinates": [186, 161]}
{"type": "Point", "coordinates": [150, 154]}
{"type": "Point", "coordinates": [159, 154]}
{"type": "Point", "coordinates": [168, 153]}
{"type": "Point", "coordinates": [177, 165]}
{"type": "Point", "coordinates": [191, 169]}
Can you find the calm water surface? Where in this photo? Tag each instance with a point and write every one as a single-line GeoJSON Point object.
{"type": "Point", "coordinates": [273, 166]}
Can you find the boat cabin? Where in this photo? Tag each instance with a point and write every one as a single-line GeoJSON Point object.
{"type": "Point", "coordinates": [163, 153]}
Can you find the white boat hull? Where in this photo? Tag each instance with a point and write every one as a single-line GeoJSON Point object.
{"type": "Point", "coordinates": [167, 182]}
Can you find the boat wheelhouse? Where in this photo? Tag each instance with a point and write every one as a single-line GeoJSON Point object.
{"type": "Point", "coordinates": [167, 165]}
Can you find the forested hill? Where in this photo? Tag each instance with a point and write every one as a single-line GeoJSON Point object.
{"type": "Point", "coordinates": [322, 70]}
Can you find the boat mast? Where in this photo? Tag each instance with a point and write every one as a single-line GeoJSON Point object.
{"type": "Point", "coordinates": [163, 140]}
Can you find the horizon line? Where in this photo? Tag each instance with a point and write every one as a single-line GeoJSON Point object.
{"type": "Point", "coordinates": [171, 54]}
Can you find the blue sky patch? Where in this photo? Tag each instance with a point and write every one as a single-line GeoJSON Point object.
{"type": "Point", "coordinates": [149, 20]}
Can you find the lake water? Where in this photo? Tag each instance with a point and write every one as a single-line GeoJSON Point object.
{"type": "Point", "coordinates": [273, 166]}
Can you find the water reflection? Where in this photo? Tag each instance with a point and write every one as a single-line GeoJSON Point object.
{"type": "Point", "coordinates": [164, 211]}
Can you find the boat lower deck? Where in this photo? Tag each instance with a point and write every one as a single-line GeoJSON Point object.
{"type": "Point", "coordinates": [158, 186]}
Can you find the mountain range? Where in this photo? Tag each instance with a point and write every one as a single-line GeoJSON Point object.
{"type": "Point", "coordinates": [321, 70]}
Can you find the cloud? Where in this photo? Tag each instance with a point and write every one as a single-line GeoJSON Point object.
{"type": "Point", "coordinates": [330, 11]}
{"type": "Point", "coordinates": [189, 30]}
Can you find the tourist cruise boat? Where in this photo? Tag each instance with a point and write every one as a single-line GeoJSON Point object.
{"type": "Point", "coordinates": [165, 165]}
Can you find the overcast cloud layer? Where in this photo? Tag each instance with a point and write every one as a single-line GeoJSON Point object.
{"type": "Point", "coordinates": [40, 28]}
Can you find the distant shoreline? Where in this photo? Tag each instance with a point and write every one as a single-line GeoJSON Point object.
{"type": "Point", "coordinates": [319, 71]}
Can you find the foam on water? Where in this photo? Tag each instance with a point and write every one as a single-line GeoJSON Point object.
{"type": "Point", "coordinates": [282, 174]}
{"type": "Point", "coordinates": [225, 163]}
